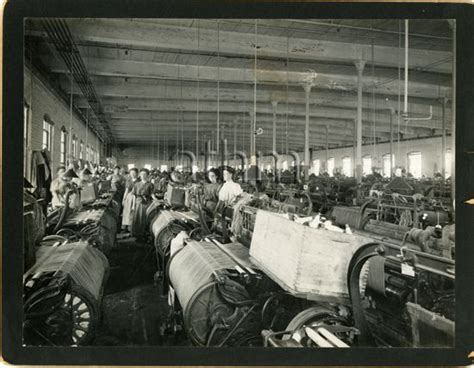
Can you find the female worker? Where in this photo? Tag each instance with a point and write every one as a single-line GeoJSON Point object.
{"type": "Point", "coordinates": [61, 185]}
{"type": "Point", "coordinates": [230, 190]}
{"type": "Point", "coordinates": [142, 191]}
{"type": "Point", "coordinates": [128, 202]}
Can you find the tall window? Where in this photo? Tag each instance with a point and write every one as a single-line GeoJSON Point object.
{"type": "Point", "coordinates": [331, 166]}
{"type": "Point", "coordinates": [347, 166]}
{"type": "Point", "coordinates": [92, 155]}
{"type": "Point", "coordinates": [131, 166]}
{"type": "Point", "coordinates": [163, 168]}
{"type": "Point", "coordinates": [285, 165]}
{"type": "Point", "coordinates": [448, 164]}
{"type": "Point", "coordinates": [74, 146]}
{"type": "Point", "coordinates": [47, 135]}
{"type": "Point", "coordinates": [148, 166]}
{"type": "Point", "coordinates": [414, 164]}
{"type": "Point", "coordinates": [386, 164]}
{"type": "Point", "coordinates": [316, 167]}
{"type": "Point", "coordinates": [366, 165]}
{"type": "Point", "coordinates": [88, 157]}
{"type": "Point", "coordinates": [63, 150]}
{"type": "Point", "coordinates": [26, 125]}
{"type": "Point", "coordinates": [81, 150]}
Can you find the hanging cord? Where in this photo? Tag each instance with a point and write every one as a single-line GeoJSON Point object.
{"type": "Point", "coordinates": [197, 96]}
{"type": "Point", "coordinates": [87, 135]}
{"type": "Point", "coordinates": [182, 125]}
{"type": "Point", "coordinates": [218, 85]}
{"type": "Point", "coordinates": [373, 99]}
{"type": "Point", "coordinates": [254, 123]}
{"type": "Point", "coordinates": [70, 113]}
{"type": "Point", "coordinates": [287, 90]}
{"type": "Point", "coordinates": [399, 88]}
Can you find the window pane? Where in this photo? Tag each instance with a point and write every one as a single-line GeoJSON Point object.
{"type": "Point", "coordinates": [316, 167]}
{"type": "Point", "coordinates": [366, 165]}
{"type": "Point", "coordinates": [414, 164]}
{"type": "Point", "coordinates": [131, 166]}
{"type": "Point", "coordinates": [331, 166]}
{"type": "Point", "coordinates": [347, 166]}
{"type": "Point", "coordinates": [448, 163]}
{"type": "Point", "coordinates": [386, 164]}
{"type": "Point", "coordinates": [45, 140]}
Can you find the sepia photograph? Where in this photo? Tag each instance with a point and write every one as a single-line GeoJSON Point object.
{"type": "Point", "coordinates": [230, 182]}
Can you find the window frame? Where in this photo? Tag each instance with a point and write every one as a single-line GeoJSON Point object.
{"type": "Point", "coordinates": [390, 165]}
{"type": "Point", "coordinates": [63, 147]}
{"type": "Point", "coordinates": [48, 129]}
{"type": "Point", "coordinates": [448, 174]}
{"type": "Point", "coordinates": [333, 164]}
{"type": "Point", "coordinates": [26, 136]}
{"type": "Point", "coordinates": [409, 163]}
{"type": "Point", "coordinates": [81, 150]}
{"type": "Point", "coordinates": [364, 159]}
{"type": "Point", "coordinates": [349, 171]}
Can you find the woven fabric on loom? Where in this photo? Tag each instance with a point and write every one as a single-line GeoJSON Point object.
{"type": "Point", "coordinates": [201, 260]}
{"type": "Point", "coordinates": [85, 265]}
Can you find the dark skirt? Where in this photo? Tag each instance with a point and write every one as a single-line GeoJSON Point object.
{"type": "Point", "coordinates": [139, 219]}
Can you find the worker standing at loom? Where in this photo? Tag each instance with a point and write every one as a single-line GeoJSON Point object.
{"type": "Point", "coordinates": [128, 201]}
{"type": "Point", "coordinates": [142, 190]}
{"type": "Point", "coordinates": [230, 190]}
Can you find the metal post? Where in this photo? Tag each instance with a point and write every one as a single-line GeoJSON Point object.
{"type": "Point", "coordinates": [307, 89]}
{"type": "Point", "coordinates": [327, 147]}
{"type": "Point", "coordinates": [391, 143]}
{"type": "Point", "coordinates": [235, 140]}
{"type": "Point", "coordinates": [358, 164]}
{"type": "Point", "coordinates": [274, 106]}
{"type": "Point", "coordinates": [354, 155]}
{"type": "Point", "coordinates": [453, 118]}
{"type": "Point", "coordinates": [443, 139]}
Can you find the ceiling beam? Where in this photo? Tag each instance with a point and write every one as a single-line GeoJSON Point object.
{"type": "Point", "coordinates": [126, 32]}
{"type": "Point", "coordinates": [153, 70]}
{"type": "Point", "coordinates": [189, 91]}
{"type": "Point", "coordinates": [112, 104]}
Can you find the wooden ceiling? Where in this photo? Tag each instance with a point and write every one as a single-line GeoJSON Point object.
{"type": "Point", "coordinates": [168, 79]}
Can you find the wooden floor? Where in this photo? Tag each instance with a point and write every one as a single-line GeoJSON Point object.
{"type": "Point", "coordinates": [133, 308]}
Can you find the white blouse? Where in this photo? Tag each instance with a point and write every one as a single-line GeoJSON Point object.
{"type": "Point", "coordinates": [229, 191]}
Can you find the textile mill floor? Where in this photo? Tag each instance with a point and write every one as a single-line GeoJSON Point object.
{"type": "Point", "coordinates": [133, 309]}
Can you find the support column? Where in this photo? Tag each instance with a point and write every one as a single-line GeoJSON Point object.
{"type": "Point", "coordinates": [443, 139]}
{"type": "Point", "coordinates": [307, 89]}
{"type": "Point", "coordinates": [327, 149]}
{"type": "Point", "coordinates": [252, 139]}
{"type": "Point", "coordinates": [354, 154]}
{"type": "Point", "coordinates": [391, 143]}
{"type": "Point", "coordinates": [234, 157]}
{"type": "Point", "coordinates": [274, 106]}
{"type": "Point", "coordinates": [452, 23]}
{"type": "Point", "coordinates": [358, 164]}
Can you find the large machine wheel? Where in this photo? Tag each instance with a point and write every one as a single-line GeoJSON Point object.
{"type": "Point", "coordinates": [85, 315]}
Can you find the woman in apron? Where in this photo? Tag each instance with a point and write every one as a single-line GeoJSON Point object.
{"type": "Point", "coordinates": [142, 191]}
{"type": "Point", "coordinates": [128, 202]}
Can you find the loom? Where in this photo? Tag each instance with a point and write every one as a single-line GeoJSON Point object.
{"type": "Point", "coordinates": [96, 223]}
{"type": "Point", "coordinates": [217, 289]}
{"type": "Point", "coordinates": [164, 227]}
{"type": "Point", "coordinates": [63, 293]}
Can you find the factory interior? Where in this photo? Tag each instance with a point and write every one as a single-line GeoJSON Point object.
{"type": "Point", "coordinates": [239, 182]}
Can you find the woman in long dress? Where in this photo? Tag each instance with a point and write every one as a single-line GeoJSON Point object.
{"type": "Point", "coordinates": [142, 191]}
{"type": "Point", "coordinates": [128, 201]}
